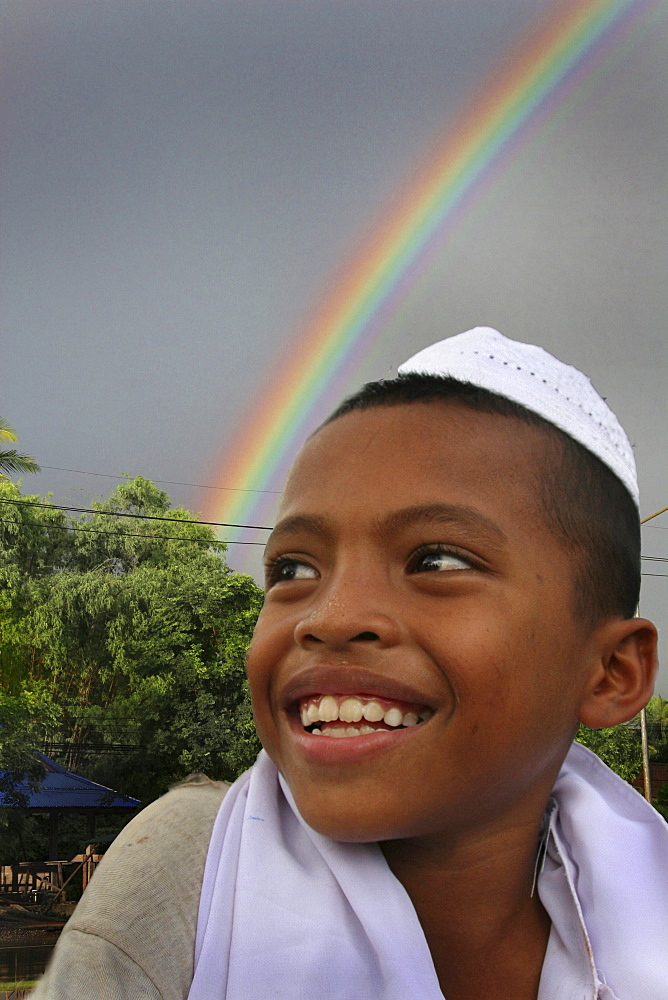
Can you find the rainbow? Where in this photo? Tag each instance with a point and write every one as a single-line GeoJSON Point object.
{"type": "Point", "coordinates": [518, 99]}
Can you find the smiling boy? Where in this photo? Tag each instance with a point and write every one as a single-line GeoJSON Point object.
{"type": "Point", "coordinates": [450, 591]}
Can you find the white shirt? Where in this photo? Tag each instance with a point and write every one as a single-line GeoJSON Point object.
{"type": "Point", "coordinates": [602, 878]}
{"type": "Point", "coordinates": [286, 913]}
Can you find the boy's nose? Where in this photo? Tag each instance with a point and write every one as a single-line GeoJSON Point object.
{"type": "Point", "coordinates": [339, 620]}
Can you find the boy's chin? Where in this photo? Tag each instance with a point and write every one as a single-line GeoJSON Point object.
{"type": "Point", "coordinates": [350, 829]}
{"type": "Point", "coordinates": [350, 822]}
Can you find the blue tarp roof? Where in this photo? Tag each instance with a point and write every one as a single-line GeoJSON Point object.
{"type": "Point", "coordinates": [61, 789]}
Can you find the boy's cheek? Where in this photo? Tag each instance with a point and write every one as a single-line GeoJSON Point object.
{"type": "Point", "coordinates": [260, 666]}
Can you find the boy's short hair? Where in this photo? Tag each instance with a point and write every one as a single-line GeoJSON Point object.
{"type": "Point", "coordinates": [583, 502]}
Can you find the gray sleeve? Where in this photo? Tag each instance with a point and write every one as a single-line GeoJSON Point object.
{"type": "Point", "coordinates": [132, 935]}
{"type": "Point", "coordinates": [85, 967]}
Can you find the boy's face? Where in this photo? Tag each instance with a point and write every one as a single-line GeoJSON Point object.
{"type": "Point", "coordinates": [412, 571]}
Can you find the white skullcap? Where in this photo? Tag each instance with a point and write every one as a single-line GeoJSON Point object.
{"type": "Point", "coordinates": [533, 378]}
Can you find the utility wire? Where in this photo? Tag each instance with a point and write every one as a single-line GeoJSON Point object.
{"type": "Point", "coordinates": [162, 482]}
{"type": "Point", "coordinates": [182, 538]}
{"type": "Point", "coordinates": [141, 517]}
{"type": "Point", "coordinates": [174, 520]}
{"type": "Point", "coordinates": [132, 534]}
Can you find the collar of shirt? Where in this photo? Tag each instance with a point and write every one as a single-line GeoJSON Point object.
{"type": "Point", "coordinates": [600, 879]}
{"type": "Point", "coordinates": [569, 971]}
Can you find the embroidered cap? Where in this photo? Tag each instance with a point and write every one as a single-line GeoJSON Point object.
{"type": "Point", "coordinates": [536, 380]}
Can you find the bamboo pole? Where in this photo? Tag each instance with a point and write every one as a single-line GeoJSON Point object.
{"type": "Point", "coordinates": [647, 781]}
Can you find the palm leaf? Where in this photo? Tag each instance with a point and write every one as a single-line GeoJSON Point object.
{"type": "Point", "coordinates": [11, 461]}
{"type": "Point", "coordinates": [7, 433]}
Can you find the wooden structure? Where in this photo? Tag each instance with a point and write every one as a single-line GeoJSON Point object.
{"type": "Point", "coordinates": [31, 880]}
{"type": "Point", "coordinates": [61, 791]}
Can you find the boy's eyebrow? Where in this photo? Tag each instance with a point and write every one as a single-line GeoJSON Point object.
{"type": "Point", "coordinates": [312, 523]}
{"type": "Point", "coordinates": [445, 514]}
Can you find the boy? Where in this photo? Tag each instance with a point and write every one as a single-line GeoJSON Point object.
{"type": "Point", "coordinates": [451, 587]}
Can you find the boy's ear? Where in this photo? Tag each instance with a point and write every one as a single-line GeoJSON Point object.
{"type": "Point", "coordinates": [621, 681]}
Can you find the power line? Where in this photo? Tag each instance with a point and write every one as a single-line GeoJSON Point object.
{"type": "Point", "coordinates": [173, 520]}
{"type": "Point", "coordinates": [131, 534]}
{"type": "Point", "coordinates": [141, 517]}
{"type": "Point", "coordinates": [162, 482]}
{"type": "Point", "coordinates": [182, 538]}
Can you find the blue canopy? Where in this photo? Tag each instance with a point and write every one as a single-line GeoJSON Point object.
{"type": "Point", "coordinates": [62, 789]}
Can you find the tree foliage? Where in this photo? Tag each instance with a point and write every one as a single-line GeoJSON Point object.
{"type": "Point", "coordinates": [618, 747]}
{"type": "Point", "coordinates": [127, 637]}
{"type": "Point", "coordinates": [657, 728]}
{"type": "Point", "coordinates": [21, 721]}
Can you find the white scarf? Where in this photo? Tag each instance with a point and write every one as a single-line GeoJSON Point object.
{"type": "Point", "coordinates": [287, 914]}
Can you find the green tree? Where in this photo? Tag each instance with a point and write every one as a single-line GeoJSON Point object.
{"type": "Point", "coordinates": [21, 721]}
{"type": "Point", "coordinates": [657, 728]}
{"type": "Point", "coordinates": [26, 549]}
{"type": "Point", "coordinates": [618, 747]}
{"type": "Point", "coordinates": [134, 632]}
{"type": "Point", "coordinates": [11, 461]}
{"type": "Point", "coordinates": [660, 803]}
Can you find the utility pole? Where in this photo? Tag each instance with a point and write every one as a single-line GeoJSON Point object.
{"type": "Point", "coordinates": [643, 714]}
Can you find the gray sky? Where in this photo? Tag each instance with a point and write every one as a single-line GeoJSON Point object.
{"type": "Point", "coordinates": [180, 181]}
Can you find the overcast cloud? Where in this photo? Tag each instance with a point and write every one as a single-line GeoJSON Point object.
{"type": "Point", "coordinates": [180, 181]}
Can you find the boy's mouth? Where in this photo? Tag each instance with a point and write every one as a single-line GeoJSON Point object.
{"type": "Point", "coordinates": [357, 715]}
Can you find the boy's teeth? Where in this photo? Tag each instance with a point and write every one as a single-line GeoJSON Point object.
{"type": "Point", "coordinates": [312, 714]}
{"type": "Point", "coordinates": [354, 710]}
{"type": "Point", "coordinates": [373, 712]}
{"type": "Point", "coordinates": [343, 731]}
{"type": "Point", "coordinates": [328, 710]}
{"type": "Point", "coordinates": [351, 710]}
{"type": "Point", "coordinates": [393, 717]}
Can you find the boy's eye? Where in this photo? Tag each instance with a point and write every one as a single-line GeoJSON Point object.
{"type": "Point", "coordinates": [283, 569]}
{"type": "Point", "coordinates": [438, 559]}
